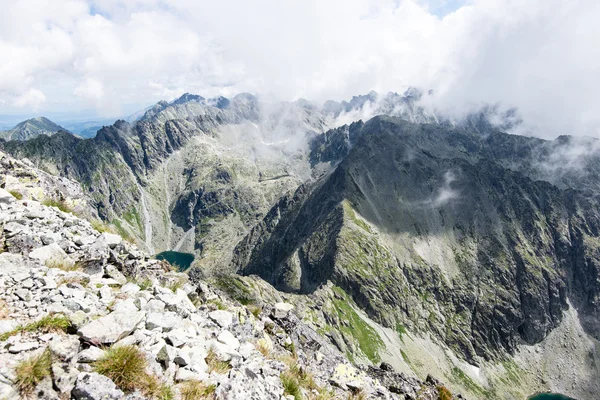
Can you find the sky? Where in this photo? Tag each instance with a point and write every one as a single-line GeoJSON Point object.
{"type": "Point", "coordinates": [108, 58]}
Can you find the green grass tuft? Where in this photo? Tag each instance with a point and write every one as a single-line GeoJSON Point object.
{"type": "Point", "coordinates": [215, 364]}
{"type": "Point", "coordinates": [125, 366]}
{"type": "Point", "coordinates": [29, 373]}
{"type": "Point", "coordinates": [16, 195]}
{"type": "Point", "coordinates": [62, 205]}
{"type": "Point", "coordinates": [196, 390]}
{"type": "Point", "coordinates": [291, 385]}
{"type": "Point", "coordinates": [49, 323]}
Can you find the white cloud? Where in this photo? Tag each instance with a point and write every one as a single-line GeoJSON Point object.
{"type": "Point", "coordinates": [537, 55]}
{"type": "Point", "coordinates": [33, 99]}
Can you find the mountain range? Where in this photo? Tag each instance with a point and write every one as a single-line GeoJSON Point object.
{"type": "Point", "coordinates": [433, 244]}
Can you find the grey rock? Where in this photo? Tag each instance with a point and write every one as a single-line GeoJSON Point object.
{"type": "Point", "coordinates": [111, 328]}
{"type": "Point", "coordinates": [223, 318]}
{"type": "Point", "coordinates": [93, 386]}
{"type": "Point", "coordinates": [90, 354]}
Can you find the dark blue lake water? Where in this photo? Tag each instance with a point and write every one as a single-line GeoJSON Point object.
{"type": "Point", "coordinates": [180, 260]}
{"type": "Point", "coordinates": [550, 396]}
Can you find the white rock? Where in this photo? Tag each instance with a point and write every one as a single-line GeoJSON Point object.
{"type": "Point", "coordinates": [90, 355]}
{"type": "Point", "coordinates": [5, 197]}
{"type": "Point", "coordinates": [281, 310]}
{"type": "Point", "coordinates": [65, 347]}
{"type": "Point", "coordinates": [93, 386]}
{"type": "Point", "coordinates": [228, 339]}
{"type": "Point", "coordinates": [25, 346]}
{"type": "Point", "coordinates": [182, 358]}
{"type": "Point", "coordinates": [155, 306]}
{"type": "Point", "coordinates": [165, 321]}
{"type": "Point", "coordinates": [223, 318]}
{"type": "Point", "coordinates": [130, 288]}
{"type": "Point", "coordinates": [115, 274]}
{"type": "Point", "coordinates": [246, 350]}
{"type": "Point", "coordinates": [111, 328]}
{"type": "Point", "coordinates": [111, 239]}
{"type": "Point", "coordinates": [51, 252]}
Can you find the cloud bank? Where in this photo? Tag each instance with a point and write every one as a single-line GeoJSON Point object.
{"type": "Point", "coordinates": [540, 56]}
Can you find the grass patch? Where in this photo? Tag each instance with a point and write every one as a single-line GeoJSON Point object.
{"type": "Point", "coordinates": [100, 226]}
{"type": "Point", "coordinates": [263, 347]}
{"type": "Point", "coordinates": [4, 310]}
{"type": "Point", "coordinates": [194, 389]}
{"type": "Point", "coordinates": [145, 283]}
{"type": "Point", "coordinates": [62, 205]}
{"type": "Point", "coordinates": [291, 385]}
{"type": "Point", "coordinates": [366, 337]}
{"type": "Point", "coordinates": [468, 383]}
{"type": "Point", "coordinates": [215, 364]}
{"type": "Point", "coordinates": [235, 287]}
{"type": "Point", "coordinates": [80, 279]}
{"type": "Point", "coordinates": [218, 304]}
{"type": "Point", "coordinates": [29, 373]}
{"type": "Point", "coordinates": [126, 367]}
{"type": "Point", "coordinates": [64, 264]}
{"type": "Point", "coordinates": [444, 393]}
{"type": "Point", "coordinates": [49, 323]}
{"type": "Point", "coordinates": [254, 309]}
{"type": "Point", "coordinates": [16, 195]}
{"type": "Point", "coordinates": [177, 284]}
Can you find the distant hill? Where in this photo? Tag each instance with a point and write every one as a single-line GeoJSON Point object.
{"type": "Point", "coordinates": [31, 128]}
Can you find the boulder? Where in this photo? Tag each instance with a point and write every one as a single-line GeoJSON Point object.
{"type": "Point", "coordinates": [93, 386]}
{"type": "Point", "coordinates": [5, 197]}
{"type": "Point", "coordinates": [223, 318]}
{"type": "Point", "coordinates": [111, 328]}
{"type": "Point", "coordinates": [50, 252]}
{"type": "Point", "coordinates": [90, 355]}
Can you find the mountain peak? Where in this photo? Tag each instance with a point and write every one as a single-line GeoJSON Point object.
{"type": "Point", "coordinates": [31, 128]}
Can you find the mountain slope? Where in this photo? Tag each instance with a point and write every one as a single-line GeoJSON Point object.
{"type": "Point", "coordinates": [428, 231]}
{"type": "Point", "coordinates": [31, 128]}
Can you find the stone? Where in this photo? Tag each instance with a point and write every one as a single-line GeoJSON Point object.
{"type": "Point", "coordinates": [223, 318]}
{"type": "Point", "coordinates": [90, 355]}
{"type": "Point", "coordinates": [115, 274]}
{"type": "Point", "coordinates": [65, 347]}
{"type": "Point", "coordinates": [281, 310]}
{"type": "Point", "coordinates": [111, 328]}
{"type": "Point", "coordinates": [23, 294]}
{"type": "Point", "coordinates": [182, 358]}
{"type": "Point", "coordinates": [6, 197]}
{"type": "Point", "coordinates": [163, 321]}
{"type": "Point", "coordinates": [78, 319]}
{"type": "Point", "coordinates": [130, 288]}
{"type": "Point", "coordinates": [166, 354]}
{"type": "Point", "coordinates": [154, 306]}
{"type": "Point", "coordinates": [111, 239]}
{"type": "Point", "coordinates": [64, 377]}
{"type": "Point", "coordinates": [22, 346]}
{"type": "Point", "coordinates": [228, 339]}
{"type": "Point", "coordinates": [93, 386]}
{"type": "Point", "coordinates": [50, 252]}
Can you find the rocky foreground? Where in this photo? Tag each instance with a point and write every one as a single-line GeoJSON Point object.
{"type": "Point", "coordinates": [86, 315]}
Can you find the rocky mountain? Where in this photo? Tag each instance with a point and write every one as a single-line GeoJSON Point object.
{"type": "Point", "coordinates": [433, 245]}
{"type": "Point", "coordinates": [86, 315]}
{"type": "Point", "coordinates": [31, 128]}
